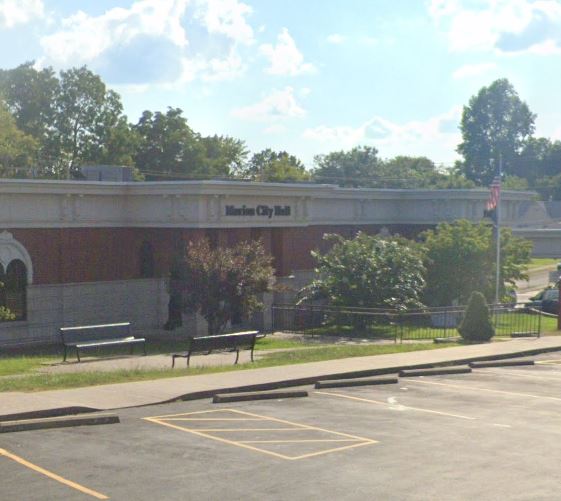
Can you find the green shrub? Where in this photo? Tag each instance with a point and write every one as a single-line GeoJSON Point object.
{"type": "Point", "coordinates": [476, 325]}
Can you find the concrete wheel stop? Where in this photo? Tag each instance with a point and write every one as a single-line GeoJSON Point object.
{"type": "Point", "coordinates": [500, 363]}
{"type": "Point", "coordinates": [342, 383]}
{"type": "Point", "coordinates": [437, 371]}
{"type": "Point", "coordinates": [57, 422]}
{"type": "Point", "coordinates": [257, 395]}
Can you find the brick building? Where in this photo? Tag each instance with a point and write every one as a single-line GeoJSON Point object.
{"type": "Point", "coordinates": [74, 252]}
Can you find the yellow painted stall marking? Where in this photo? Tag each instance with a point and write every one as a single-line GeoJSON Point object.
{"type": "Point", "coordinates": [52, 475]}
{"type": "Point", "coordinates": [184, 422]}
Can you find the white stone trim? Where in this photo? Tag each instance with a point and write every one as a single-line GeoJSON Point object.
{"type": "Point", "coordinates": [11, 249]}
{"type": "Point", "coordinates": [202, 204]}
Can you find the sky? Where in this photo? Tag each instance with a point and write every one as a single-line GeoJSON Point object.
{"type": "Point", "coordinates": [305, 76]}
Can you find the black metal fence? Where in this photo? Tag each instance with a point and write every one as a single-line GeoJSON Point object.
{"type": "Point", "coordinates": [430, 323]}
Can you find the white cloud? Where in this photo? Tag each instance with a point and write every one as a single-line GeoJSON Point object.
{"type": "Point", "coordinates": [148, 42]}
{"type": "Point", "coordinates": [507, 26]}
{"type": "Point", "coordinates": [277, 106]}
{"type": "Point", "coordinates": [284, 57]}
{"type": "Point", "coordinates": [336, 39]}
{"type": "Point", "coordinates": [84, 37]}
{"type": "Point", "coordinates": [226, 17]}
{"type": "Point", "coordinates": [473, 70]}
{"type": "Point", "coordinates": [275, 129]}
{"type": "Point", "coordinates": [438, 133]}
{"type": "Point", "coordinates": [13, 12]}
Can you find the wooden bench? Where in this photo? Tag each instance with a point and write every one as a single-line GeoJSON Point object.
{"type": "Point", "coordinates": [233, 342]}
{"type": "Point", "coordinates": [85, 337]}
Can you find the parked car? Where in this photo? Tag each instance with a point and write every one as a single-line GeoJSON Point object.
{"type": "Point", "coordinates": [547, 300]}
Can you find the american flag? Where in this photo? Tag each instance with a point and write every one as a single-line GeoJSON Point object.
{"type": "Point", "coordinates": [495, 194]}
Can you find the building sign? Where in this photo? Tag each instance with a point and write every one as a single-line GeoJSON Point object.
{"type": "Point", "coordinates": [267, 211]}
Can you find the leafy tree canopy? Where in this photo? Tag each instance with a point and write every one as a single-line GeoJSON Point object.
{"type": "Point", "coordinates": [354, 168]}
{"type": "Point", "coordinates": [274, 167]}
{"type": "Point", "coordinates": [495, 123]}
{"type": "Point", "coordinates": [218, 282]}
{"type": "Point", "coordinates": [17, 149]}
{"type": "Point", "coordinates": [460, 259]}
{"type": "Point", "coordinates": [169, 148]}
{"type": "Point", "coordinates": [368, 271]}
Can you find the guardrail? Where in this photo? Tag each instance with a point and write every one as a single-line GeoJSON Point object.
{"type": "Point", "coordinates": [429, 323]}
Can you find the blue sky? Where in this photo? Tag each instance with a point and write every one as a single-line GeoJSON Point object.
{"type": "Point", "coordinates": [306, 76]}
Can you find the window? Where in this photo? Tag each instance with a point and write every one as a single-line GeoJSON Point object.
{"type": "Point", "coordinates": [147, 268]}
{"type": "Point", "coordinates": [13, 295]}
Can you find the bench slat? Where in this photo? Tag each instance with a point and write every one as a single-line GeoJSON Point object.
{"type": "Point", "coordinates": [92, 336]}
{"type": "Point", "coordinates": [90, 343]}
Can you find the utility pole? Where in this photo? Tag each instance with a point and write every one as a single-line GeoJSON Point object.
{"type": "Point", "coordinates": [498, 233]}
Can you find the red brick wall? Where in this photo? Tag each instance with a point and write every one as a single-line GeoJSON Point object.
{"type": "Point", "coordinates": [102, 254]}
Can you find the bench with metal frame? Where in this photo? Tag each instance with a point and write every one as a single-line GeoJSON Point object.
{"type": "Point", "coordinates": [233, 342]}
{"type": "Point", "coordinates": [85, 337]}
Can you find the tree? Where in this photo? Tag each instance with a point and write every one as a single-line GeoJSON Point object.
{"type": "Point", "coordinates": [476, 324]}
{"type": "Point", "coordinates": [418, 172]}
{"type": "Point", "coordinates": [495, 124]}
{"type": "Point", "coordinates": [460, 259]}
{"type": "Point", "coordinates": [368, 271]}
{"type": "Point", "coordinates": [223, 155]}
{"type": "Point", "coordinates": [17, 150]}
{"type": "Point", "coordinates": [168, 146]}
{"type": "Point", "coordinates": [357, 167]}
{"type": "Point", "coordinates": [274, 167]}
{"type": "Point", "coordinates": [85, 114]}
{"type": "Point", "coordinates": [30, 95]}
{"type": "Point", "coordinates": [218, 282]}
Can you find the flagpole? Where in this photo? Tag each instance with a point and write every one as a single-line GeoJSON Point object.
{"type": "Point", "coordinates": [498, 233]}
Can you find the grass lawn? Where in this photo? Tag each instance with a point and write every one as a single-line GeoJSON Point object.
{"type": "Point", "coordinates": [540, 262]}
{"type": "Point", "coordinates": [17, 364]}
{"type": "Point", "coordinates": [506, 323]}
{"type": "Point", "coordinates": [37, 382]}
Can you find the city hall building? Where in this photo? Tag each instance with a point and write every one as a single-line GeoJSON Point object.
{"type": "Point", "coordinates": [83, 252]}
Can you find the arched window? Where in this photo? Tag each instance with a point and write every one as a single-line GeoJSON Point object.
{"type": "Point", "coordinates": [15, 284]}
{"type": "Point", "coordinates": [147, 267]}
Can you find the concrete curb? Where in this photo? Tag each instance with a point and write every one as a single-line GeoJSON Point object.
{"type": "Point", "coordinates": [287, 383]}
{"type": "Point", "coordinates": [48, 413]}
{"type": "Point", "coordinates": [245, 397]}
{"type": "Point", "coordinates": [57, 422]}
{"type": "Point", "coordinates": [355, 382]}
{"type": "Point", "coordinates": [435, 372]}
{"type": "Point", "coordinates": [499, 363]}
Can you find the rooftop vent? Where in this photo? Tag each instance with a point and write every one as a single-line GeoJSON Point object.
{"type": "Point", "coordinates": [112, 173]}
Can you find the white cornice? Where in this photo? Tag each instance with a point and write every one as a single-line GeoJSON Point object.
{"type": "Point", "coordinates": [200, 204]}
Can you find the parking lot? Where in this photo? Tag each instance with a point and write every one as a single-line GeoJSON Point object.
{"type": "Point", "coordinates": [491, 434]}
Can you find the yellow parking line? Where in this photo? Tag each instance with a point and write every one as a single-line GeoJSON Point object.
{"type": "Point", "coordinates": [297, 441]}
{"type": "Point", "coordinates": [474, 388]}
{"type": "Point", "coordinates": [358, 441]}
{"type": "Point", "coordinates": [418, 409]}
{"type": "Point", "coordinates": [302, 425]}
{"type": "Point", "coordinates": [166, 416]}
{"type": "Point", "coordinates": [52, 475]}
{"type": "Point", "coordinates": [336, 449]}
{"type": "Point", "coordinates": [218, 439]}
{"type": "Point", "coordinates": [212, 430]}
{"type": "Point", "coordinates": [212, 419]}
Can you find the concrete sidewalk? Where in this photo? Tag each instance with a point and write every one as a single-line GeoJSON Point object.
{"type": "Point", "coordinates": [116, 396]}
